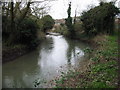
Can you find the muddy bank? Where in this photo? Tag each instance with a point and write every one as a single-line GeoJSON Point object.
{"type": "Point", "coordinates": [11, 54]}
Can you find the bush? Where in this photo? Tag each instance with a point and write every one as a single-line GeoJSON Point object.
{"type": "Point", "coordinates": [62, 29]}
{"type": "Point", "coordinates": [47, 23]}
{"type": "Point", "coordinates": [28, 33]}
{"type": "Point", "coordinates": [24, 33]}
{"type": "Point", "coordinates": [78, 27]}
{"type": "Point", "coordinates": [100, 19]}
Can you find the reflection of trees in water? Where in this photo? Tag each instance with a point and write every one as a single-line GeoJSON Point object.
{"type": "Point", "coordinates": [23, 67]}
{"type": "Point", "coordinates": [47, 44]}
{"type": "Point", "coordinates": [72, 52]}
{"type": "Point", "coordinates": [28, 64]}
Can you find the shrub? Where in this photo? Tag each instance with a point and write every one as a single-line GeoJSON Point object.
{"type": "Point", "coordinates": [100, 19]}
{"type": "Point", "coordinates": [47, 23]}
{"type": "Point", "coordinates": [28, 33]}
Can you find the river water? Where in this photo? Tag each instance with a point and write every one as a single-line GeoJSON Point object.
{"type": "Point", "coordinates": [55, 54]}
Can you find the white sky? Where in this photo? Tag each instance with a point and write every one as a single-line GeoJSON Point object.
{"type": "Point", "coordinates": [59, 7]}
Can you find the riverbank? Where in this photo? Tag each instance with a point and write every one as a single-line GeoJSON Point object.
{"type": "Point", "coordinates": [13, 52]}
{"type": "Point", "coordinates": [102, 69]}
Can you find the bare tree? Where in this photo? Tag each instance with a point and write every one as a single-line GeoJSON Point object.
{"type": "Point", "coordinates": [40, 9]}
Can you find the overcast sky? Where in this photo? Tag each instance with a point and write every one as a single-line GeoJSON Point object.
{"type": "Point", "coordinates": [59, 7]}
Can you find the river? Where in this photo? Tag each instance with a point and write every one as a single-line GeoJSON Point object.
{"type": "Point", "coordinates": [55, 54]}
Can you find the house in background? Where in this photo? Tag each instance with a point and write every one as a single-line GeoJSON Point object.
{"type": "Point", "coordinates": [77, 19]}
{"type": "Point", "coordinates": [59, 21]}
{"type": "Point", "coordinates": [62, 21]}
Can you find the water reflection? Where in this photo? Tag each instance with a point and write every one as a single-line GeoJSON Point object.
{"type": "Point", "coordinates": [74, 52]}
{"type": "Point", "coordinates": [43, 63]}
{"type": "Point", "coordinates": [17, 73]}
{"type": "Point", "coordinates": [52, 58]}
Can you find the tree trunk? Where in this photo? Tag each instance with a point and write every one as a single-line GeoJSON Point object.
{"type": "Point", "coordinates": [11, 38]}
{"type": "Point", "coordinates": [12, 15]}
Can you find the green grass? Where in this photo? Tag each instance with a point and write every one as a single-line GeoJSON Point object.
{"type": "Point", "coordinates": [105, 72]}
{"type": "Point", "coordinates": [103, 75]}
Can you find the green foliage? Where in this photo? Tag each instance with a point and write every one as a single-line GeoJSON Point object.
{"type": "Point", "coordinates": [17, 25]}
{"type": "Point", "coordinates": [21, 27]}
{"type": "Point", "coordinates": [110, 52]}
{"type": "Point", "coordinates": [24, 33]}
{"type": "Point", "coordinates": [104, 74]}
{"type": "Point", "coordinates": [78, 27]}
{"type": "Point", "coordinates": [28, 33]}
{"type": "Point", "coordinates": [100, 19]}
{"type": "Point", "coordinates": [62, 30]}
{"type": "Point", "coordinates": [47, 22]}
{"type": "Point", "coordinates": [88, 50]}
{"type": "Point", "coordinates": [103, 71]}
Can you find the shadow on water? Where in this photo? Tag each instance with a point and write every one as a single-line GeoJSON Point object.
{"type": "Point", "coordinates": [43, 64]}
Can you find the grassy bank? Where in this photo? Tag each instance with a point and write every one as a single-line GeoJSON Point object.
{"type": "Point", "coordinates": [102, 71]}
